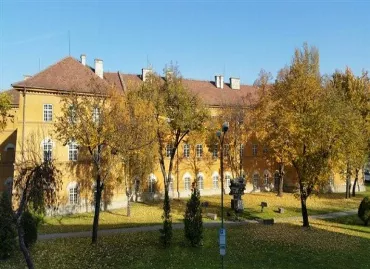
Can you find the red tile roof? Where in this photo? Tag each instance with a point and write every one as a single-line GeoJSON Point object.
{"type": "Point", "coordinates": [66, 75]}
{"type": "Point", "coordinates": [69, 74]}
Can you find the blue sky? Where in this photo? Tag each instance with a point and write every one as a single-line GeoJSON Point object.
{"type": "Point", "coordinates": [234, 38]}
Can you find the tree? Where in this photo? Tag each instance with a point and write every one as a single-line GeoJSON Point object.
{"type": "Point", "coordinates": [305, 116]}
{"type": "Point", "coordinates": [36, 185]}
{"type": "Point", "coordinates": [88, 120]}
{"type": "Point", "coordinates": [4, 108]}
{"type": "Point", "coordinates": [268, 127]}
{"type": "Point", "coordinates": [134, 138]}
{"type": "Point", "coordinates": [193, 218]}
{"type": "Point", "coordinates": [177, 112]}
{"type": "Point", "coordinates": [354, 92]}
{"type": "Point", "coordinates": [7, 227]}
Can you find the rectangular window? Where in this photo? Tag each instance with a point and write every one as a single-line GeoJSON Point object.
{"type": "Point", "coordinates": [241, 150]}
{"type": "Point", "coordinates": [186, 150]}
{"type": "Point", "coordinates": [199, 150]}
{"type": "Point", "coordinates": [169, 149]}
{"type": "Point", "coordinates": [215, 151]}
{"type": "Point", "coordinates": [187, 183]}
{"type": "Point", "coordinates": [254, 150]}
{"type": "Point", "coordinates": [73, 196]}
{"type": "Point", "coordinates": [226, 150]}
{"type": "Point", "coordinates": [96, 115]}
{"type": "Point", "coordinates": [48, 148]}
{"type": "Point", "coordinates": [48, 112]}
{"type": "Point", "coordinates": [215, 182]}
{"type": "Point", "coordinates": [72, 151]}
{"type": "Point", "coordinates": [72, 114]}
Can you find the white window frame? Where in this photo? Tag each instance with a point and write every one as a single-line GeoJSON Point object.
{"type": "Point", "coordinates": [200, 182]}
{"type": "Point", "coordinates": [47, 149]}
{"type": "Point", "coordinates": [266, 178]}
{"type": "Point", "coordinates": [187, 183]}
{"type": "Point", "coordinates": [215, 179]}
{"type": "Point", "coordinates": [72, 151]}
{"type": "Point", "coordinates": [96, 115]}
{"type": "Point", "coordinates": [254, 149]}
{"type": "Point", "coordinates": [48, 112]}
{"type": "Point", "coordinates": [151, 183]}
{"type": "Point", "coordinates": [241, 150]}
{"type": "Point", "coordinates": [73, 197]}
{"type": "Point", "coordinates": [215, 151]}
{"type": "Point", "coordinates": [255, 179]}
{"type": "Point", "coordinates": [169, 149]}
{"type": "Point", "coordinates": [227, 179]}
{"type": "Point", "coordinates": [199, 150]}
{"type": "Point", "coordinates": [186, 150]}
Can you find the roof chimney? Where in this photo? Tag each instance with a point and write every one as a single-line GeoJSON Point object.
{"type": "Point", "coordinates": [25, 77]}
{"type": "Point", "coordinates": [99, 68]}
{"type": "Point", "coordinates": [83, 59]}
{"type": "Point", "coordinates": [235, 83]}
{"type": "Point", "coordinates": [219, 81]}
{"type": "Point", "coordinates": [145, 72]}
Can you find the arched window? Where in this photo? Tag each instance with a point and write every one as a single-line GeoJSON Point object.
{"type": "Point", "coordinates": [200, 181]}
{"type": "Point", "coordinates": [151, 183]}
{"type": "Point", "coordinates": [187, 181]}
{"type": "Point", "coordinates": [47, 147]}
{"type": "Point", "coordinates": [9, 146]}
{"type": "Point", "coordinates": [228, 179]}
{"type": "Point", "coordinates": [266, 178]}
{"type": "Point", "coordinates": [215, 178]}
{"type": "Point", "coordinates": [255, 180]}
{"type": "Point", "coordinates": [9, 185]}
{"type": "Point", "coordinates": [73, 193]}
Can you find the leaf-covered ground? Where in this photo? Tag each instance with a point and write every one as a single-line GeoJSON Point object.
{"type": "Point", "coordinates": [149, 214]}
{"type": "Point", "coordinates": [327, 244]}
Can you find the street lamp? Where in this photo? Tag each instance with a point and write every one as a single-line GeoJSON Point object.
{"type": "Point", "coordinates": [222, 236]}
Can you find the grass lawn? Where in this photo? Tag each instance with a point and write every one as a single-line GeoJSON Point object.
{"type": "Point", "coordinates": [149, 214]}
{"type": "Point", "coordinates": [284, 245]}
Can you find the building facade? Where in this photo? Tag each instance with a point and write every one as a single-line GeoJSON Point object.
{"type": "Point", "coordinates": [36, 102]}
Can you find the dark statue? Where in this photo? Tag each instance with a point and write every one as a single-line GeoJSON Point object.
{"type": "Point", "coordinates": [237, 187]}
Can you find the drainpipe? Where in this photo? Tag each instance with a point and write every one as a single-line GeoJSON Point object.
{"type": "Point", "coordinates": [23, 123]}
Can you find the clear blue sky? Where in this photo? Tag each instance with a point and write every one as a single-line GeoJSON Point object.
{"type": "Point", "coordinates": [234, 38]}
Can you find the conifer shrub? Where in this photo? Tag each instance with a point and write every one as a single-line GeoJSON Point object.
{"type": "Point", "coordinates": [30, 225]}
{"type": "Point", "coordinates": [7, 227]}
{"type": "Point", "coordinates": [193, 219]}
{"type": "Point", "coordinates": [166, 231]}
{"type": "Point", "coordinates": [364, 210]}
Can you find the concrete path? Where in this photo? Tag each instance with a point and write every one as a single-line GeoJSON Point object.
{"type": "Point", "coordinates": [177, 226]}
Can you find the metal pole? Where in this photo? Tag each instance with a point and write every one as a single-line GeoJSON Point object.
{"type": "Point", "coordinates": [222, 189]}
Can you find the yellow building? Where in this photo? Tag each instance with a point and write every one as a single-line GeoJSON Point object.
{"type": "Point", "coordinates": [36, 104]}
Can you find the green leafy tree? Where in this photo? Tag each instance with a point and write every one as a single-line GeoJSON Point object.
{"type": "Point", "coordinates": [88, 120]}
{"type": "Point", "coordinates": [4, 108]}
{"type": "Point", "coordinates": [177, 112]}
{"type": "Point", "coordinates": [353, 92]}
{"type": "Point", "coordinates": [193, 218]}
{"type": "Point", "coordinates": [7, 227]}
{"type": "Point", "coordinates": [305, 116]}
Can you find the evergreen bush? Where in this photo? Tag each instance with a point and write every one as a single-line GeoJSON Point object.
{"type": "Point", "coordinates": [29, 224]}
{"type": "Point", "coordinates": [7, 227]}
{"type": "Point", "coordinates": [193, 219]}
{"type": "Point", "coordinates": [364, 210]}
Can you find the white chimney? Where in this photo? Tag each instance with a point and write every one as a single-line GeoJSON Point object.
{"type": "Point", "coordinates": [99, 68]}
{"type": "Point", "coordinates": [25, 77]}
{"type": "Point", "coordinates": [235, 83]}
{"type": "Point", "coordinates": [145, 72]}
{"type": "Point", "coordinates": [219, 81]}
{"type": "Point", "coordinates": [83, 59]}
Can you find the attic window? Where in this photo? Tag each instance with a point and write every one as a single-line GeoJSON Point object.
{"type": "Point", "coordinates": [10, 146]}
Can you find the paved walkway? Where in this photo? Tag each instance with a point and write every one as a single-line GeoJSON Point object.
{"type": "Point", "coordinates": [177, 226]}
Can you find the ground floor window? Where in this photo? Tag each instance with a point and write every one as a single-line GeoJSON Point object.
{"type": "Point", "coordinates": [187, 183]}
{"type": "Point", "coordinates": [215, 182]}
{"type": "Point", "coordinates": [200, 182]}
{"type": "Point", "coordinates": [73, 195]}
{"type": "Point", "coordinates": [255, 181]}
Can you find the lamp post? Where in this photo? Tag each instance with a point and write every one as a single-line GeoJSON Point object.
{"type": "Point", "coordinates": [221, 136]}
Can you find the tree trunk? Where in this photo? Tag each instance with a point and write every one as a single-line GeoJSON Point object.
{"type": "Point", "coordinates": [281, 180]}
{"type": "Point", "coordinates": [304, 206]}
{"type": "Point", "coordinates": [355, 183]}
{"type": "Point", "coordinates": [97, 210]}
{"type": "Point", "coordinates": [128, 209]}
{"type": "Point", "coordinates": [22, 245]}
{"type": "Point", "coordinates": [348, 182]}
